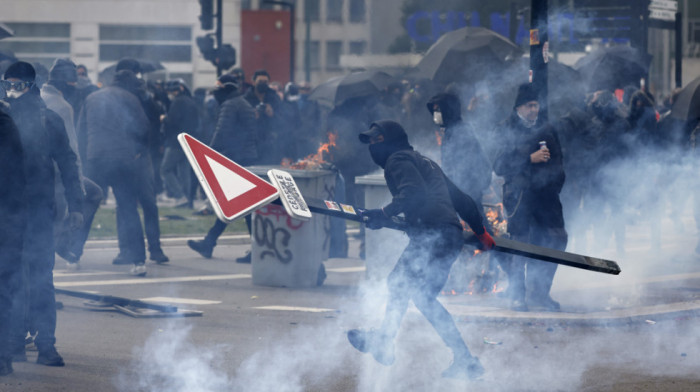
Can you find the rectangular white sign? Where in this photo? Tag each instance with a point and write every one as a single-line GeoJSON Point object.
{"type": "Point", "coordinates": [662, 15]}
{"type": "Point", "coordinates": [670, 5]}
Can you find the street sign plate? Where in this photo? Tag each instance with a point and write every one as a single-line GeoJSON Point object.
{"type": "Point", "coordinates": [670, 5]}
{"type": "Point", "coordinates": [662, 15]}
{"type": "Point", "coordinates": [291, 197]}
{"type": "Point", "coordinates": [232, 190]}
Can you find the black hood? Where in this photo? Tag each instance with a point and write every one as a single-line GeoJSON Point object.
{"type": "Point", "coordinates": [395, 139]}
{"type": "Point", "coordinates": [450, 107]}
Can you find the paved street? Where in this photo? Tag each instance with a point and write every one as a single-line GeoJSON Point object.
{"type": "Point", "coordinates": [634, 332]}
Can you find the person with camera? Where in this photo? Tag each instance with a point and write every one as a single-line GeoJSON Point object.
{"type": "Point", "coordinates": [267, 117]}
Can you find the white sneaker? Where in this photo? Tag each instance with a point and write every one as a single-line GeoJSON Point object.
{"type": "Point", "coordinates": [138, 270]}
{"type": "Point", "coordinates": [72, 266]}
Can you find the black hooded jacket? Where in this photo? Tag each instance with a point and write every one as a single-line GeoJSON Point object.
{"type": "Point", "coordinates": [235, 134]}
{"type": "Point", "coordinates": [422, 192]}
{"type": "Point", "coordinates": [183, 116]}
{"type": "Point", "coordinates": [463, 159]}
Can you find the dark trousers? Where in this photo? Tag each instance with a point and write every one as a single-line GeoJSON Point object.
{"type": "Point", "coordinates": [34, 306]}
{"type": "Point", "coordinates": [219, 226]}
{"type": "Point", "coordinates": [175, 172]}
{"type": "Point", "coordinates": [419, 275]}
{"type": "Point", "coordinates": [11, 280]}
{"type": "Point", "coordinates": [74, 240]}
{"type": "Point", "coordinates": [124, 177]}
{"type": "Point", "coordinates": [537, 220]}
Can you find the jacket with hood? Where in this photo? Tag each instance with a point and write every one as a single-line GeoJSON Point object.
{"type": "Point", "coordinates": [235, 134]}
{"type": "Point", "coordinates": [112, 126]}
{"type": "Point", "coordinates": [419, 188]}
{"type": "Point", "coordinates": [183, 116]}
{"type": "Point", "coordinates": [463, 159]}
{"type": "Point", "coordinates": [512, 161]}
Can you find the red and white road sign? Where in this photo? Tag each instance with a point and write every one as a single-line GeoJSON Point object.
{"type": "Point", "coordinates": [232, 190]}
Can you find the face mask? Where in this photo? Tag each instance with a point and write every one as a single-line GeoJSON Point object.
{"type": "Point", "coordinates": [380, 153]}
{"type": "Point", "coordinates": [15, 94]}
{"type": "Point", "coordinates": [437, 118]}
{"type": "Point", "coordinates": [261, 88]}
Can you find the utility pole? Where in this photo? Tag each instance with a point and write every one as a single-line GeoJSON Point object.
{"type": "Point", "coordinates": [219, 33]}
{"type": "Point", "coordinates": [539, 53]}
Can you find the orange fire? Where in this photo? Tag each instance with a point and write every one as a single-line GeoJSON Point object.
{"type": "Point", "coordinates": [439, 134]}
{"type": "Point", "coordinates": [496, 217]}
{"type": "Point", "coordinates": [315, 160]}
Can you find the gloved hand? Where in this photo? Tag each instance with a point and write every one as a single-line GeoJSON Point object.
{"type": "Point", "coordinates": [75, 220]}
{"type": "Point", "coordinates": [374, 219]}
{"type": "Point", "coordinates": [487, 242]}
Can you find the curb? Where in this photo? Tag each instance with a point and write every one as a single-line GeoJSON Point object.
{"type": "Point", "coordinates": [234, 239]}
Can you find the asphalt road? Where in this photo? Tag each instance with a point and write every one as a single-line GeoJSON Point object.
{"type": "Point", "coordinates": [255, 338]}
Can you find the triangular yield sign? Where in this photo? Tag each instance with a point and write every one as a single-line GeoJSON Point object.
{"type": "Point", "coordinates": [232, 190]}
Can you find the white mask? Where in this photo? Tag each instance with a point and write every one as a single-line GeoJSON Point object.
{"type": "Point", "coordinates": [15, 94]}
{"type": "Point", "coordinates": [437, 118]}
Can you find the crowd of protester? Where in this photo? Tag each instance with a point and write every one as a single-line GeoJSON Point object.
{"type": "Point", "coordinates": [68, 143]}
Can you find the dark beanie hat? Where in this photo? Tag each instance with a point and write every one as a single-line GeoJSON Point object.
{"type": "Point", "coordinates": [63, 70]}
{"type": "Point", "coordinates": [228, 78]}
{"type": "Point", "coordinates": [526, 93]}
{"type": "Point", "coordinates": [21, 70]}
{"type": "Point", "coordinates": [392, 131]}
{"type": "Point", "coordinates": [129, 64]}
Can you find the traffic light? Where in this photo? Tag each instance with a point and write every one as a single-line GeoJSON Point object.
{"type": "Point", "coordinates": [206, 18]}
{"type": "Point", "coordinates": [206, 47]}
{"type": "Point", "coordinates": [226, 56]}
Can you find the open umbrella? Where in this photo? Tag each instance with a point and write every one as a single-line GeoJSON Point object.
{"type": "Point", "coordinates": [5, 31]}
{"type": "Point", "coordinates": [147, 66]}
{"type": "Point", "coordinates": [613, 67]}
{"type": "Point", "coordinates": [687, 104]}
{"type": "Point", "coordinates": [337, 90]}
{"type": "Point", "coordinates": [467, 54]}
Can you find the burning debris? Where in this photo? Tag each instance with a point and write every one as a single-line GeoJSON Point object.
{"type": "Point", "coordinates": [319, 160]}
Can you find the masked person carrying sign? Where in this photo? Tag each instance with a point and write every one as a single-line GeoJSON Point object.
{"type": "Point", "coordinates": [430, 203]}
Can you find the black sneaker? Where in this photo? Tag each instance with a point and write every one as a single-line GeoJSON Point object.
{"type": "Point", "coordinates": [464, 368]}
{"type": "Point", "coordinates": [49, 357]}
{"type": "Point", "coordinates": [68, 255]}
{"type": "Point", "coordinates": [122, 260]}
{"type": "Point", "coordinates": [518, 305]}
{"type": "Point", "coordinates": [202, 247]}
{"type": "Point", "coordinates": [245, 259]}
{"type": "Point", "coordinates": [381, 348]}
{"type": "Point", "coordinates": [159, 257]}
{"type": "Point", "coordinates": [5, 366]}
{"type": "Point", "coordinates": [545, 302]}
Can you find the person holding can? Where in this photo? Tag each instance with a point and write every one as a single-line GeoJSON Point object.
{"type": "Point", "coordinates": [530, 160]}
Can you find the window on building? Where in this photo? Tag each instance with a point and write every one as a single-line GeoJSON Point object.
{"type": "Point", "coordinates": [333, 51]}
{"type": "Point", "coordinates": [158, 43]}
{"type": "Point", "coordinates": [358, 48]}
{"type": "Point", "coordinates": [334, 11]}
{"type": "Point", "coordinates": [315, 55]}
{"type": "Point", "coordinates": [38, 42]}
{"type": "Point", "coordinates": [312, 9]}
{"type": "Point", "coordinates": [357, 11]}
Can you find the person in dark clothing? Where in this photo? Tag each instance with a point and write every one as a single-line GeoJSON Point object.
{"type": "Point", "coordinates": [44, 142]}
{"type": "Point", "coordinates": [463, 160]}
{"type": "Point", "coordinates": [267, 118]}
{"type": "Point", "coordinates": [235, 138]}
{"type": "Point", "coordinates": [12, 225]}
{"type": "Point", "coordinates": [243, 86]}
{"type": "Point", "coordinates": [530, 161]}
{"type": "Point", "coordinates": [430, 203]}
{"type": "Point", "coordinates": [183, 116]}
{"type": "Point", "coordinates": [113, 139]}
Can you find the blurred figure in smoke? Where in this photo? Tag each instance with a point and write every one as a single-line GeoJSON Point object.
{"type": "Point", "coordinates": [292, 137]}
{"type": "Point", "coordinates": [239, 76]}
{"type": "Point", "coordinates": [44, 142]}
{"type": "Point", "coordinates": [419, 124]}
{"type": "Point", "coordinates": [69, 242]}
{"type": "Point", "coordinates": [463, 160]}
{"type": "Point", "coordinates": [235, 137]}
{"type": "Point", "coordinates": [113, 133]}
{"type": "Point", "coordinates": [530, 160]}
{"type": "Point", "coordinates": [310, 112]}
{"type": "Point", "coordinates": [267, 118]}
{"type": "Point", "coordinates": [182, 116]}
{"type": "Point", "coordinates": [430, 203]}
{"type": "Point", "coordinates": [12, 226]}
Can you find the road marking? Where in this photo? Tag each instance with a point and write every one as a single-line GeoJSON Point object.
{"type": "Point", "coordinates": [151, 280]}
{"type": "Point", "coordinates": [347, 269]}
{"type": "Point", "coordinates": [187, 301]}
{"type": "Point", "coordinates": [295, 309]}
{"type": "Point", "coordinates": [633, 281]}
{"type": "Point", "coordinates": [63, 274]}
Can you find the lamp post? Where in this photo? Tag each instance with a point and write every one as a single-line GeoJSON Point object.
{"type": "Point", "coordinates": [291, 35]}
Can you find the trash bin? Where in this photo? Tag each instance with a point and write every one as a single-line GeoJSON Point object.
{"type": "Point", "coordinates": [384, 246]}
{"type": "Point", "coordinates": [287, 252]}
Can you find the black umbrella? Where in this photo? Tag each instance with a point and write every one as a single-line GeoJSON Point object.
{"type": "Point", "coordinates": [337, 90]}
{"type": "Point", "coordinates": [467, 54]}
{"type": "Point", "coordinates": [613, 67]}
{"type": "Point", "coordinates": [146, 66]}
{"type": "Point", "coordinates": [687, 104]}
{"type": "Point", "coordinates": [5, 31]}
